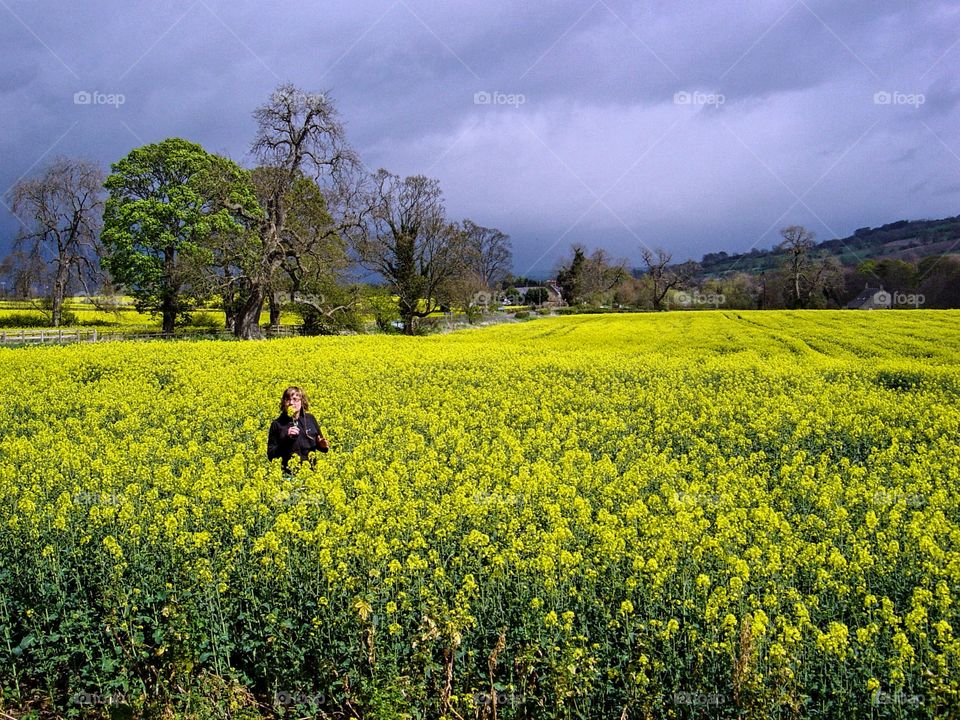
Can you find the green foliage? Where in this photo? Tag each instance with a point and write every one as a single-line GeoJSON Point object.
{"type": "Point", "coordinates": [166, 202]}
{"type": "Point", "coordinates": [205, 320]}
{"type": "Point", "coordinates": [24, 320]}
{"type": "Point", "coordinates": [473, 313]}
{"type": "Point", "coordinates": [319, 323]}
{"type": "Point", "coordinates": [383, 307]}
{"type": "Point", "coordinates": [536, 296]}
{"type": "Point", "coordinates": [67, 317]}
{"type": "Point", "coordinates": [570, 278]}
{"type": "Point", "coordinates": [427, 325]}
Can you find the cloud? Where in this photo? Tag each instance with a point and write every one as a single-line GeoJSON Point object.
{"type": "Point", "coordinates": [611, 137]}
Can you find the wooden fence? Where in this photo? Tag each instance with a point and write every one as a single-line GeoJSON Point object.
{"type": "Point", "coordinates": [58, 336]}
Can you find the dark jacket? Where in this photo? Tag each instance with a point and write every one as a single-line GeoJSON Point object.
{"type": "Point", "coordinates": [280, 445]}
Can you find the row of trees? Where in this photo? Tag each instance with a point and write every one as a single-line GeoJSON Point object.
{"type": "Point", "coordinates": [597, 279]}
{"type": "Point", "coordinates": [804, 280]}
{"type": "Point", "coordinates": [179, 225]}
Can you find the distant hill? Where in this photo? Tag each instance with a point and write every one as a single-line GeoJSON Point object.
{"type": "Point", "coordinates": [909, 240]}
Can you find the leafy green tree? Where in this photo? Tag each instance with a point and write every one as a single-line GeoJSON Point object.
{"type": "Point", "coordinates": [589, 279]}
{"type": "Point", "coordinates": [570, 276]}
{"type": "Point", "coordinates": [536, 296]}
{"type": "Point", "coordinates": [939, 281]}
{"type": "Point", "coordinates": [167, 201]}
{"type": "Point", "coordinates": [379, 302]}
{"type": "Point", "coordinates": [897, 275]}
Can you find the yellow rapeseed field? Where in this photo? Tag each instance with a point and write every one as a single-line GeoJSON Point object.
{"type": "Point", "coordinates": [710, 514]}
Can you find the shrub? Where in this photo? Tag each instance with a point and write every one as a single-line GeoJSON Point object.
{"type": "Point", "coordinates": [317, 323]}
{"type": "Point", "coordinates": [24, 320]}
{"type": "Point", "coordinates": [205, 320]}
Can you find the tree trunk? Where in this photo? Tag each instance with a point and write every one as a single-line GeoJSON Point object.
{"type": "Point", "coordinates": [59, 289]}
{"type": "Point", "coordinates": [56, 305]}
{"type": "Point", "coordinates": [229, 300]}
{"type": "Point", "coordinates": [408, 311]}
{"type": "Point", "coordinates": [168, 307]}
{"type": "Point", "coordinates": [169, 312]}
{"type": "Point", "coordinates": [274, 309]}
{"type": "Point", "coordinates": [657, 296]}
{"type": "Point", "coordinates": [248, 315]}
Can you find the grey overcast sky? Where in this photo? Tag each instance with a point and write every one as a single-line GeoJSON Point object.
{"type": "Point", "coordinates": [695, 126]}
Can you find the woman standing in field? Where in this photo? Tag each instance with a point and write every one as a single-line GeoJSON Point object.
{"type": "Point", "coordinates": [295, 430]}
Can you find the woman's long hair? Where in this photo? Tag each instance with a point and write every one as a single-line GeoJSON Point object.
{"type": "Point", "coordinates": [289, 393]}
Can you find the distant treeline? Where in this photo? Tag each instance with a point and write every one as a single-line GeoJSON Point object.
{"type": "Point", "coordinates": [913, 262]}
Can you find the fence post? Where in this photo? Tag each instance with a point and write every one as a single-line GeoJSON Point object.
{"type": "Point", "coordinates": [60, 335]}
{"type": "Point", "coordinates": [42, 339]}
{"type": "Point", "coordinates": [94, 335]}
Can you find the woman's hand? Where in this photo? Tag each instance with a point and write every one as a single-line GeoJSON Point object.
{"type": "Point", "coordinates": [293, 431]}
{"type": "Point", "coordinates": [322, 443]}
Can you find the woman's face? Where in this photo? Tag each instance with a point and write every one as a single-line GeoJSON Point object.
{"type": "Point", "coordinates": [294, 401]}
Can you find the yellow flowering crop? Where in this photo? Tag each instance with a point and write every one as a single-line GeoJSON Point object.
{"type": "Point", "coordinates": [749, 514]}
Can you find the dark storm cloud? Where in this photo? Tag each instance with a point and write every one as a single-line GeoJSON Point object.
{"type": "Point", "coordinates": [696, 126]}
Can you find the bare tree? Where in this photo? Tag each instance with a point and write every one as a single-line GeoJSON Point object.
{"type": "Point", "coordinates": [61, 211]}
{"type": "Point", "coordinates": [408, 241]}
{"type": "Point", "coordinates": [601, 273]}
{"type": "Point", "coordinates": [23, 272]}
{"type": "Point", "coordinates": [488, 254]}
{"type": "Point", "coordinates": [663, 276]}
{"type": "Point", "coordinates": [299, 136]}
{"type": "Point", "coordinates": [797, 243]}
{"type": "Point", "coordinates": [8, 266]}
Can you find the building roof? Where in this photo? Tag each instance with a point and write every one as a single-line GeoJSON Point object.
{"type": "Point", "coordinates": [871, 299]}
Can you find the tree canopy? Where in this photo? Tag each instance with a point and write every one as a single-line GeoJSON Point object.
{"type": "Point", "coordinates": [167, 201]}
